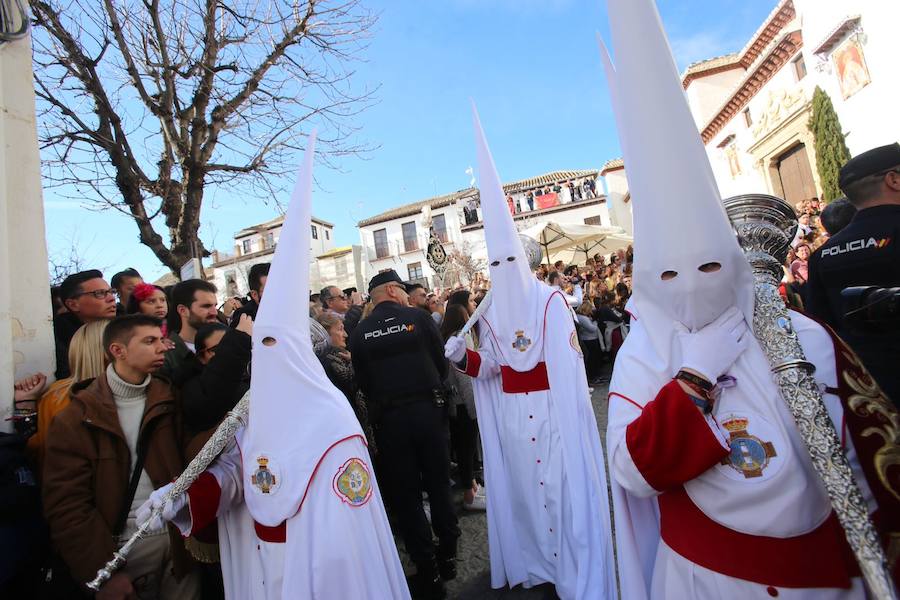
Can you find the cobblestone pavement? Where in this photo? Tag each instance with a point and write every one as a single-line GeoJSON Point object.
{"type": "Point", "coordinates": [474, 580]}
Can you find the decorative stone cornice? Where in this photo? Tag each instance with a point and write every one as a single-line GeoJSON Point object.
{"type": "Point", "coordinates": [777, 20]}
{"type": "Point", "coordinates": [758, 75]}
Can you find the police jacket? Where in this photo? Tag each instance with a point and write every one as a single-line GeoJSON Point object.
{"type": "Point", "coordinates": [865, 253]}
{"type": "Point", "coordinates": [398, 355]}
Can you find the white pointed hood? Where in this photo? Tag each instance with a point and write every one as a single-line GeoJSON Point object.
{"type": "Point", "coordinates": [296, 414]}
{"type": "Point", "coordinates": [679, 221]}
{"type": "Point", "coordinates": [516, 310]}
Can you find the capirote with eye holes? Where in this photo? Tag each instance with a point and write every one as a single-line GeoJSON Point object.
{"type": "Point", "coordinates": [508, 259]}
{"type": "Point", "coordinates": [710, 267]}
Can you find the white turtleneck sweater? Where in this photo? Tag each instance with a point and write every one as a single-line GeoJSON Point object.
{"type": "Point", "coordinates": [131, 400]}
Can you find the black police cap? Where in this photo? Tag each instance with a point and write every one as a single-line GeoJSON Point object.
{"type": "Point", "coordinates": [870, 162]}
{"type": "Point", "coordinates": [386, 277]}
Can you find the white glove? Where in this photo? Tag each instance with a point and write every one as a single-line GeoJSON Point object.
{"type": "Point", "coordinates": [455, 349]}
{"type": "Point", "coordinates": [170, 508]}
{"type": "Point", "coordinates": [712, 350]}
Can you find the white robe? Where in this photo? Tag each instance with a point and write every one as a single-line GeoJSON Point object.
{"type": "Point", "coordinates": [547, 503]}
{"type": "Point", "coordinates": [787, 500]}
{"type": "Point", "coordinates": [332, 549]}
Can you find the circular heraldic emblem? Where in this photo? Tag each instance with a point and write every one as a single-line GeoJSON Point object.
{"type": "Point", "coordinates": [353, 482]}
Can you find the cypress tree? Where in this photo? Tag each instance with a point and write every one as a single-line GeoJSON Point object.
{"type": "Point", "coordinates": [831, 149]}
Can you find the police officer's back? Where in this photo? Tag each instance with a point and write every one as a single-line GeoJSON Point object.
{"type": "Point", "coordinates": [398, 358]}
{"type": "Point", "coordinates": [398, 355]}
{"type": "Point", "coordinates": [864, 253]}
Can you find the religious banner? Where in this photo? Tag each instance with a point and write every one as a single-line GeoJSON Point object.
{"type": "Point", "coordinates": [436, 255]}
{"type": "Point", "coordinates": [547, 200]}
{"type": "Point", "coordinates": [850, 67]}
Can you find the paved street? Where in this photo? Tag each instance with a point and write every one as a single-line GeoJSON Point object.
{"type": "Point", "coordinates": [474, 582]}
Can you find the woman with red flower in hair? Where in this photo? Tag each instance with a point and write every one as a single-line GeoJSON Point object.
{"type": "Point", "coordinates": [149, 299]}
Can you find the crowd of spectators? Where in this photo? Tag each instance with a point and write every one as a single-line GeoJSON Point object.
{"type": "Point", "coordinates": [815, 226]}
{"type": "Point", "coordinates": [561, 192]}
{"type": "Point", "coordinates": [145, 374]}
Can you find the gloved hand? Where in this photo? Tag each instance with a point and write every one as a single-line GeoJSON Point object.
{"type": "Point", "coordinates": [712, 350]}
{"type": "Point", "coordinates": [455, 349]}
{"type": "Point", "coordinates": [170, 509]}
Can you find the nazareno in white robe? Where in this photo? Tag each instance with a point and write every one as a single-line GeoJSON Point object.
{"type": "Point", "coordinates": [547, 504]}
{"type": "Point", "coordinates": [332, 549]}
{"type": "Point", "coordinates": [786, 500]}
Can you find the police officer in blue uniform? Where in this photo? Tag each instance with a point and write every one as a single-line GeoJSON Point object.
{"type": "Point", "coordinates": [398, 358]}
{"type": "Point", "coordinates": [865, 253]}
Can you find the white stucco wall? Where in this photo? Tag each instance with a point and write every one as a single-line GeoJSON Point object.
{"type": "Point", "coordinates": [616, 192]}
{"type": "Point", "coordinates": [868, 117]}
{"type": "Point", "coordinates": [706, 94]}
{"type": "Point", "coordinates": [26, 331]}
{"type": "Point", "coordinates": [398, 258]}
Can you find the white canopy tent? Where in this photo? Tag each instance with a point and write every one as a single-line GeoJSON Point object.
{"type": "Point", "coordinates": [574, 243]}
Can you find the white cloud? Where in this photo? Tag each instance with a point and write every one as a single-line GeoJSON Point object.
{"type": "Point", "coordinates": [54, 205]}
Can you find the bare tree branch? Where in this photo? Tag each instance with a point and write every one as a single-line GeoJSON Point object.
{"type": "Point", "coordinates": [142, 104]}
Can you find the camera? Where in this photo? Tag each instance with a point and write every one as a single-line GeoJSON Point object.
{"type": "Point", "coordinates": [872, 308]}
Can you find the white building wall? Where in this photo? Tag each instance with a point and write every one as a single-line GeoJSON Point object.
{"type": "Point", "coordinates": [616, 193]}
{"type": "Point", "coordinates": [867, 117]}
{"type": "Point", "coordinates": [398, 257]}
{"type": "Point", "coordinates": [325, 271]}
{"type": "Point", "coordinates": [321, 245]}
{"type": "Point", "coordinates": [706, 94]}
{"type": "Point", "coordinates": [753, 177]}
{"type": "Point", "coordinates": [26, 330]}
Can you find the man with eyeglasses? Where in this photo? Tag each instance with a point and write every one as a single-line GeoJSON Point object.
{"type": "Point", "coordinates": [87, 298]}
{"type": "Point", "coordinates": [336, 303]}
{"type": "Point", "coordinates": [865, 253]}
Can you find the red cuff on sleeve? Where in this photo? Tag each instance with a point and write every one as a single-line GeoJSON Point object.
{"type": "Point", "coordinates": [203, 501]}
{"type": "Point", "coordinates": [671, 442]}
{"type": "Point", "coordinates": [473, 363]}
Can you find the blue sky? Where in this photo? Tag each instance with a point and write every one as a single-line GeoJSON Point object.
{"type": "Point", "coordinates": [530, 65]}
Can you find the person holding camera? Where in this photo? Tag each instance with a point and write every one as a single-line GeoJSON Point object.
{"type": "Point", "coordinates": [398, 357]}
{"type": "Point", "coordinates": [865, 253]}
{"type": "Point", "coordinates": [568, 286]}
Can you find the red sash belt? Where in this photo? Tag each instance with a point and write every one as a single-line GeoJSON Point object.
{"type": "Point", "coordinates": [277, 534]}
{"type": "Point", "coordinates": [522, 382]}
{"type": "Point", "coordinates": [820, 558]}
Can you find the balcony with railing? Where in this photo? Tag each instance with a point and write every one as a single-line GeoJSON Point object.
{"type": "Point", "coordinates": [14, 20]}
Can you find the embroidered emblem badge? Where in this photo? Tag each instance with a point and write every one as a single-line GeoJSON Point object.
{"type": "Point", "coordinates": [264, 479]}
{"type": "Point", "coordinates": [749, 454]}
{"type": "Point", "coordinates": [573, 341]}
{"type": "Point", "coordinates": [521, 343]}
{"type": "Point", "coordinates": [353, 483]}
